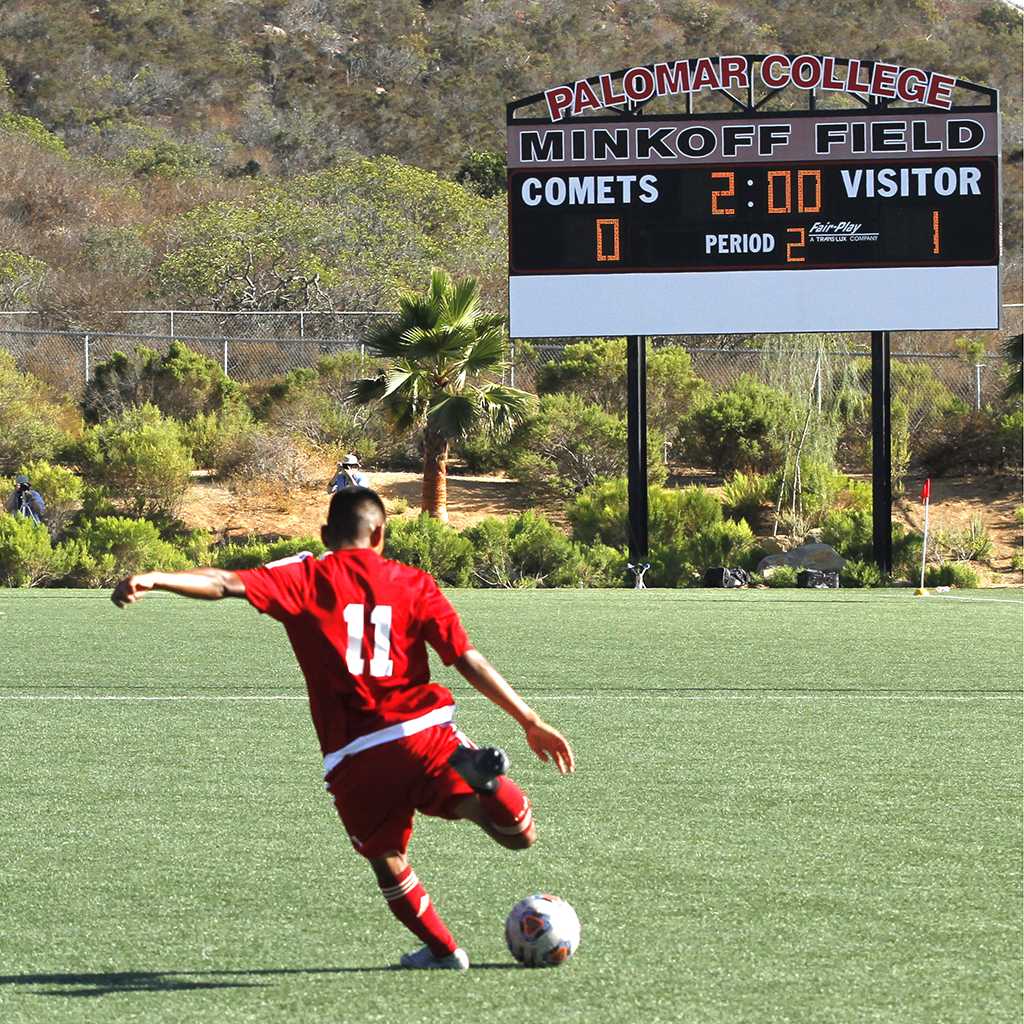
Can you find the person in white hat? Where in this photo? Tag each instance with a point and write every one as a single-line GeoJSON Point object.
{"type": "Point", "coordinates": [350, 474]}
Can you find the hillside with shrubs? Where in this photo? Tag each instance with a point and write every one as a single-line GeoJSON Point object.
{"type": "Point", "coordinates": [324, 154]}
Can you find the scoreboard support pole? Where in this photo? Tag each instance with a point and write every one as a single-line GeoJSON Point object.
{"type": "Point", "coordinates": [636, 439]}
{"type": "Point", "coordinates": [881, 452]}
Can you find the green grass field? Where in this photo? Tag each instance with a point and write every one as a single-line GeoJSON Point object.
{"type": "Point", "coordinates": [790, 807]}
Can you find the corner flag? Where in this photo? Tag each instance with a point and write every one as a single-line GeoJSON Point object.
{"type": "Point", "coordinates": [926, 493]}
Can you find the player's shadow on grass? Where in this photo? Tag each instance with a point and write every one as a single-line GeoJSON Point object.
{"type": "Point", "coordinates": [109, 983]}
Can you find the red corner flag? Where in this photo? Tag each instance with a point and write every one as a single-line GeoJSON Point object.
{"type": "Point", "coordinates": [926, 491]}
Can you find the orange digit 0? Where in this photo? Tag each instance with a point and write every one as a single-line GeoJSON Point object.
{"type": "Point", "coordinates": [613, 256]}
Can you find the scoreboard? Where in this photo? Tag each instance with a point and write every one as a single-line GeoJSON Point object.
{"type": "Point", "coordinates": [851, 220]}
{"type": "Point", "coordinates": [795, 217]}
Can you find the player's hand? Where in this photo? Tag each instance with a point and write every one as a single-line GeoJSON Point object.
{"type": "Point", "coordinates": [550, 745]}
{"type": "Point", "coordinates": [131, 589]}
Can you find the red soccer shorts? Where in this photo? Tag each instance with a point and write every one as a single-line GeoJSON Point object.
{"type": "Point", "coordinates": [376, 792]}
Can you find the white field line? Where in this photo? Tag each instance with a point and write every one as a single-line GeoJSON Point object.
{"type": "Point", "coordinates": [540, 698]}
{"type": "Point", "coordinates": [980, 600]}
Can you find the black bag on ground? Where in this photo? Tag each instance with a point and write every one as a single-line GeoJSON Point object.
{"type": "Point", "coordinates": [817, 579]}
{"type": "Point", "coordinates": [720, 576]}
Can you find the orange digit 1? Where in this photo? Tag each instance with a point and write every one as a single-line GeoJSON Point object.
{"type": "Point", "coordinates": [936, 247]}
{"type": "Point", "coordinates": [602, 256]}
{"type": "Point", "coordinates": [801, 241]}
{"type": "Point", "coordinates": [730, 178]}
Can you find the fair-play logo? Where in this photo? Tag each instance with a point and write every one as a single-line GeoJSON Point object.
{"type": "Point", "coordinates": [839, 231]}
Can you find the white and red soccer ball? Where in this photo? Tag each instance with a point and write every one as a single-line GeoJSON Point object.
{"type": "Point", "coordinates": [542, 931]}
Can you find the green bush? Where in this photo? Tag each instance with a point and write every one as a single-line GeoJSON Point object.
{"type": "Point", "coordinates": [570, 444]}
{"type": "Point", "coordinates": [482, 453]}
{"type": "Point", "coordinates": [432, 546]}
{"type": "Point", "coordinates": [527, 550]}
{"type": "Point", "coordinates": [29, 420]}
{"type": "Point", "coordinates": [246, 555]}
{"type": "Point", "coordinates": [726, 543]}
{"type": "Point", "coordinates": [140, 460]}
{"type": "Point", "coordinates": [26, 554]}
{"type": "Point", "coordinates": [181, 383]}
{"type": "Point", "coordinates": [289, 546]}
{"type": "Point", "coordinates": [859, 574]}
{"type": "Point", "coordinates": [483, 171]}
{"type": "Point", "coordinates": [250, 553]}
{"type": "Point", "coordinates": [781, 576]}
{"type": "Point", "coordinates": [221, 440]}
{"type": "Point", "coordinates": [33, 129]}
{"type": "Point", "coordinates": [686, 532]}
{"type": "Point", "coordinates": [194, 545]}
{"type": "Point", "coordinates": [988, 439]}
{"type": "Point", "coordinates": [951, 574]}
{"type": "Point", "coordinates": [112, 547]}
{"type": "Point", "coordinates": [748, 495]}
{"type": "Point", "coordinates": [681, 559]}
{"type": "Point", "coordinates": [743, 428]}
{"type": "Point", "coordinates": [850, 532]}
{"type": "Point", "coordinates": [595, 371]}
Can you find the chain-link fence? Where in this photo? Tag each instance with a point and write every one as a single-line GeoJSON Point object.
{"type": "Point", "coordinates": [260, 346]}
{"type": "Point", "coordinates": [211, 323]}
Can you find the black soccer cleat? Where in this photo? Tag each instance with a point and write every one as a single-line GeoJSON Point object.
{"type": "Point", "coordinates": [480, 768]}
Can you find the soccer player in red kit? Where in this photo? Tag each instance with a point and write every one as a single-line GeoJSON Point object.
{"type": "Point", "coordinates": [359, 624]}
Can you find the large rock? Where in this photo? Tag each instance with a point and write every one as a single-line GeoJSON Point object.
{"type": "Point", "coordinates": [807, 556]}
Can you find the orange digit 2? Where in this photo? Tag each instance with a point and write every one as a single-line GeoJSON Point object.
{"type": "Point", "coordinates": [801, 241]}
{"type": "Point", "coordinates": [730, 178]}
{"type": "Point", "coordinates": [613, 256]}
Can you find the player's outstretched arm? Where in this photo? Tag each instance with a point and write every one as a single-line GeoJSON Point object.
{"type": "Point", "coordinates": [547, 743]}
{"type": "Point", "coordinates": [202, 584]}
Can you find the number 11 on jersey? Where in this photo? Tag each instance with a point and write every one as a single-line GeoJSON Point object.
{"type": "Point", "coordinates": [381, 665]}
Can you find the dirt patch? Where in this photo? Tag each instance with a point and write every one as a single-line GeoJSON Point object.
{"type": "Point", "coordinates": [298, 512]}
{"type": "Point", "coordinates": [956, 501]}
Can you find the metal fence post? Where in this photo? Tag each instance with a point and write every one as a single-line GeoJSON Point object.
{"type": "Point", "coordinates": [977, 386]}
{"type": "Point", "coordinates": [171, 332]}
{"type": "Point", "coordinates": [512, 362]}
{"type": "Point", "coordinates": [302, 324]}
{"type": "Point", "coordinates": [226, 357]}
{"type": "Point", "coordinates": [85, 353]}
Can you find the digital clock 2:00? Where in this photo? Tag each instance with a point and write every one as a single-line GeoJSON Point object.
{"type": "Point", "coordinates": [729, 218]}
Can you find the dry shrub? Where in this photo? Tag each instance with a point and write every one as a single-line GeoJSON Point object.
{"type": "Point", "coordinates": [277, 459]}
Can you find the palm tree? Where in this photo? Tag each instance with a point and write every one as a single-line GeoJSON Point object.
{"type": "Point", "coordinates": [444, 359]}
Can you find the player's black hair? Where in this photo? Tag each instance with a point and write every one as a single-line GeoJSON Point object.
{"type": "Point", "coordinates": [354, 514]}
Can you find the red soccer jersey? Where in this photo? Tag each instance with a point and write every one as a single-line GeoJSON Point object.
{"type": "Point", "coordinates": [359, 624]}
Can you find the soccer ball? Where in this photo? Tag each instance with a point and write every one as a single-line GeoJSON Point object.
{"type": "Point", "coordinates": [542, 931]}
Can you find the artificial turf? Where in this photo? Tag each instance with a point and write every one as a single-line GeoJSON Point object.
{"type": "Point", "coordinates": [790, 806]}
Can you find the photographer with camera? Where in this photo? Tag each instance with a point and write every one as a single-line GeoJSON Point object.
{"type": "Point", "coordinates": [349, 474]}
{"type": "Point", "coordinates": [24, 501]}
